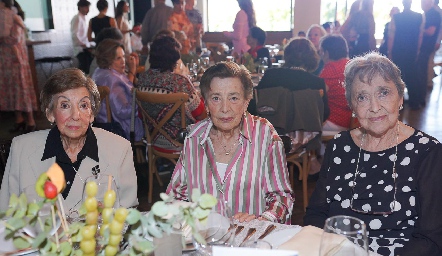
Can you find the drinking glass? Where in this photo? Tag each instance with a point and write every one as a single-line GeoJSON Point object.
{"type": "Point", "coordinates": [102, 181]}
{"type": "Point", "coordinates": [218, 230]}
{"type": "Point", "coordinates": [351, 228]}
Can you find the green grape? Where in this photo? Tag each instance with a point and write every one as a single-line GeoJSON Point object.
{"type": "Point", "coordinates": [91, 204]}
{"type": "Point", "coordinates": [91, 188]}
{"type": "Point", "coordinates": [88, 246]}
{"type": "Point", "coordinates": [110, 250]}
{"type": "Point", "coordinates": [109, 198]}
{"type": "Point", "coordinates": [115, 227]}
{"type": "Point", "coordinates": [88, 232]}
{"type": "Point", "coordinates": [121, 214]}
{"type": "Point", "coordinates": [106, 214]}
{"type": "Point", "coordinates": [103, 228]}
{"type": "Point", "coordinates": [92, 218]}
{"type": "Point", "coordinates": [115, 239]}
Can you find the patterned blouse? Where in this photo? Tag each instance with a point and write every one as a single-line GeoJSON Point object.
{"type": "Point", "coordinates": [155, 81]}
{"type": "Point", "coordinates": [256, 179]}
{"type": "Point", "coordinates": [411, 224]}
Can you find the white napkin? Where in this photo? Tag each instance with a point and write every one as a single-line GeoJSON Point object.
{"type": "Point", "coordinates": [229, 251]}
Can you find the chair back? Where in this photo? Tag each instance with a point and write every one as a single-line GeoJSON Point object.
{"type": "Point", "coordinates": [104, 97]}
{"type": "Point", "coordinates": [177, 99]}
{"type": "Point", "coordinates": [298, 114]}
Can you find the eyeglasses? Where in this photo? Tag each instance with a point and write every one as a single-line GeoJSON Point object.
{"type": "Point", "coordinates": [392, 205]}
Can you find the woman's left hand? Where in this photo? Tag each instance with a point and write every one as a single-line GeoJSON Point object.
{"type": "Point", "coordinates": [244, 217]}
{"type": "Point", "coordinates": [132, 62]}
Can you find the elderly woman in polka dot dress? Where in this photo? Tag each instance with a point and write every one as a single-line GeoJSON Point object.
{"type": "Point", "coordinates": [385, 173]}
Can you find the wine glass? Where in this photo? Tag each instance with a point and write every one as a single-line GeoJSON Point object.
{"type": "Point", "coordinates": [104, 182]}
{"type": "Point", "coordinates": [340, 226]}
{"type": "Point", "coordinates": [218, 230]}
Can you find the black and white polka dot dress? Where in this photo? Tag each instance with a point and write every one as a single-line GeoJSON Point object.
{"type": "Point", "coordinates": [374, 189]}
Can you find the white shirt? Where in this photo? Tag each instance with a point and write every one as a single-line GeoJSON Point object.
{"type": "Point", "coordinates": [79, 28]}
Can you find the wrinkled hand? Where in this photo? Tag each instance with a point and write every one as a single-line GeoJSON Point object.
{"type": "Point", "coordinates": [244, 217]}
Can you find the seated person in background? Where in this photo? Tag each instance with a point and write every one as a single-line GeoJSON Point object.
{"type": "Point", "coordinates": [301, 33]}
{"type": "Point", "coordinates": [106, 33]}
{"type": "Point", "coordinates": [314, 34]}
{"type": "Point", "coordinates": [385, 173]}
{"type": "Point", "coordinates": [237, 157]}
{"type": "Point", "coordinates": [70, 101]}
{"type": "Point", "coordinates": [334, 53]}
{"type": "Point", "coordinates": [301, 59]}
{"type": "Point", "coordinates": [180, 68]}
{"type": "Point", "coordinates": [160, 78]}
{"type": "Point", "coordinates": [256, 39]}
{"type": "Point", "coordinates": [111, 73]}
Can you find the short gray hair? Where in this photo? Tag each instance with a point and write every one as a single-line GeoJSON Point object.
{"type": "Point", "coordinates": [367, 67]}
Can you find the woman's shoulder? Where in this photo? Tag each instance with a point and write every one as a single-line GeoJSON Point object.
{"type": "Point", "coordinates": [420, 139]}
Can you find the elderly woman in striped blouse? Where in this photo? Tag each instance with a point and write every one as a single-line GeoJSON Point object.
{"type": "Point", "coordinates": [237, 157]}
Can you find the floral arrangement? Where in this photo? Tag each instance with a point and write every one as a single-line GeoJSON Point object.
{"type": "Point", "coordinates": [91, 237]}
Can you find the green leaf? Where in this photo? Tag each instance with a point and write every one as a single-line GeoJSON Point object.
{"type": "Point", "coordinates": [16, 223]}
{"type": "Point", "coordinates": [33, 209]}
{"type": "Point", "coordinates": [200, 213]}
{"type": "Point", "coordinates": [13, 201]}
{"type": "Point", "coordinates": [133, 217]}
{"type": "Point", "coordinates": [207, 201]}
{"type": "Point", "coordinates": [39, 240]}
{"type": "Point", "coordinates": [23, 201]}
{"type": "Point", "coordinates": [160, 209]}
{"type": "Point", "coordinates": [20, 213]}
{"type": "Point", "coordinates": [196, 193]}
{"type": "Point", "coordinates": [21, 243]}
{"type": "Point", "coordinates": [65, 248]}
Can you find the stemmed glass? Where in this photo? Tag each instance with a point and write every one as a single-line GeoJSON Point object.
{"type": "Point", "coordinates": [352, 228]}
{"type": "Point", "coordinates": [218, 230]}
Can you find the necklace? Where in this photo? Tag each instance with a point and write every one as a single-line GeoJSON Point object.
{"type": "Point", "coordinates": [299, 68]}
{"type": "Point", "coordinates": [229, 150]}
{"type": "Point", "coordinates": [357, 172]}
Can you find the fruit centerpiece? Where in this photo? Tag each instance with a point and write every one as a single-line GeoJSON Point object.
{"type": "Point", "coordinates": [118, 232]}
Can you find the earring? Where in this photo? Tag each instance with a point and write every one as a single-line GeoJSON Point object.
{"type": "Point", "coordinates": [353, 114]}
{"type": "Point", "coordinates": [401, 107]}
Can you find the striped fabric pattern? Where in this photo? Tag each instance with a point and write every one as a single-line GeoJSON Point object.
{"type": "Point", "coordinates": [256, 179]}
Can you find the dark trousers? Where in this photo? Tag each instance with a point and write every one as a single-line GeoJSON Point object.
{"type": "Point", "coordinates": [407, 63]}
{"type": "Point", "coordinates": [84, 60]}
{"type": "Point", "coordinates": [422, 62]}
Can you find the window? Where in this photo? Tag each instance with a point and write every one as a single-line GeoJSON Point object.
{"type": "Point", "coordinates": [338, 9]}
{"type": "Point", "coordinates": [270, 17]}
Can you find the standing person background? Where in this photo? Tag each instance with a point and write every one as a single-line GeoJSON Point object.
{"type": "Point", "coordinates": [364, 25]}
{"type": "Point", "coordinates": [431, 33]}
{"type": "Point", "coordinates": [384, 44]}
{"type": "Point", "coordinates": [197, 21]}
{"type": "Point", "coordinates": [405, 39]}
{"type": "Point", "coordinates": [154, 20]}
{"type": "Point", "coordinates": [245, 19]}
{"type": "Point", "coordinates": [80, 41]}
{"type": "Point", "coordinates": [16, 86]}
{"type": "Point", "coordinates": [97, 23]}
{"type": "Point", "coordinates": [123, 24]}
{"type": "Point", "coordinates": [181, 26]}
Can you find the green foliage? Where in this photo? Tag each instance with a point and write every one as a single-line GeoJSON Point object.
{"type": "Point", "coordinates": [161, 219]}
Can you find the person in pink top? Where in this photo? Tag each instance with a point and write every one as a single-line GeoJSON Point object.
{"type": "Point", "coordinates": [334, 53]}
{"type": "Point", "coordinates": [245, 19]}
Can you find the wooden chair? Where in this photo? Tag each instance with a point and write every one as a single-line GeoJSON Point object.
{"type": "Point", "coordinates": [178, 100]}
